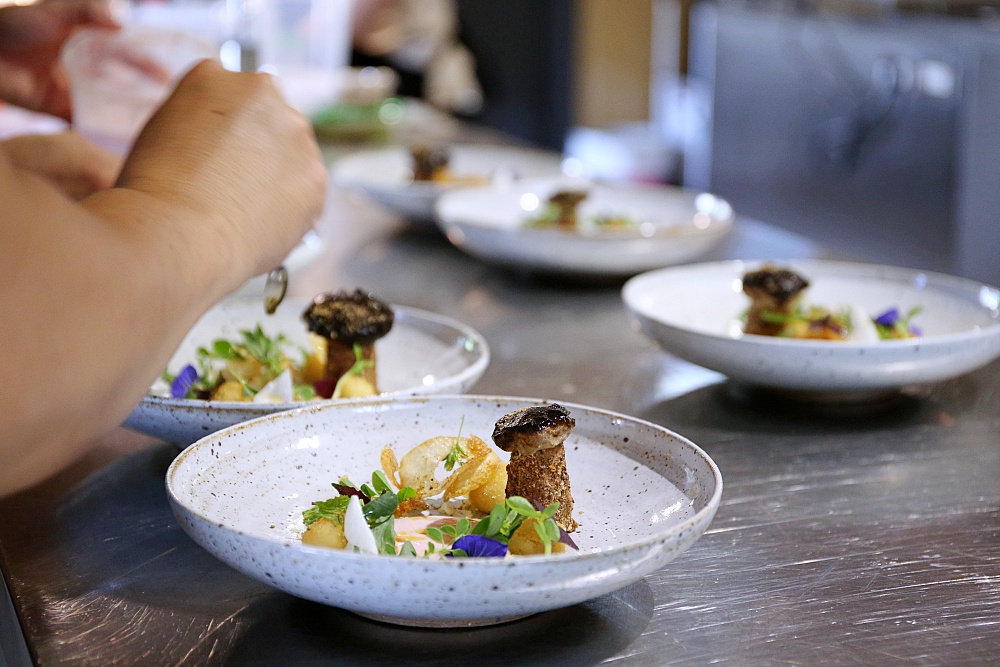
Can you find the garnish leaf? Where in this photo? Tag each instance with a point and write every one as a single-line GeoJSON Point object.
{"type": "Point", "coordinates": [350, 490]}
{"type": "Point", "coordinates": [332, 509]}
{"type": "Point", "coordinates": [385, 535]}
{"type": "Point", "coordinates": [457, 453]}
{"type": "Point", "coordinates": [380, 508]}
{"type": "Point", "coordinates": [357, 368]}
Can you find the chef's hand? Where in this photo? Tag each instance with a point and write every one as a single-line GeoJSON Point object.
{"type": "Point", "coordinates": [31, 37]}
{"type": "Point", "coordinates": [226, 147]}
{"type": "Point", "coordinates": [74, 165]}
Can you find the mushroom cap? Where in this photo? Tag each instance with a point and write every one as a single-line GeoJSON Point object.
{"type": "Point", "coordinates": [531, 429]}
{"type": "Point", "coordinates": [349, 317]}
{"type": "Point", "coordinates": [777, 283]}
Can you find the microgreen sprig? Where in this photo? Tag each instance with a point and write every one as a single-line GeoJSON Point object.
{"type": "Point", "coordinates": [359, 366]}
{"type": "Point", "coordinates": [456, 454]}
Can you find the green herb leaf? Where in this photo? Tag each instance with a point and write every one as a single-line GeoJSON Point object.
{"type": "Point", "coordinates": [380, 482]}
{"type": "Point", "coordinates": [385, 534]}
{"type": "Point", "coordinates": [332, 509]}
{"type": "Point", "coordinates": [521, 506]}
{"type": "Point", "coordinates": [544, 537]}
{"type": "Point", "coordinates": [408, 549]}
{"type": "Point", "coordinates": [303, 392]}
{"type": "Point", "coordinates": [406, 493]}
{"type": "Point", "coordinates": [435, 534]}
{"type": "Point", "coordinates": [380, 508]}
{"type": "Point", "coordinates": [457, 453]}
{"type": "Point", "coordinates": [771, 317]}
{"type": "Point", "coordinates": [359, 366]}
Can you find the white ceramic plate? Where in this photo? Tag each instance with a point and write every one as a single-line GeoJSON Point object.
{"type": "Point", "coordinates": [643, 495]}
{"type": "Point", "coordinates": [691, 312]}
{"type": "Point", "coordinates": [424, 353]}
{"type": "Point", "coordinates": [672, 225]}
{"type": "Point", "coordinates": [386, 175]}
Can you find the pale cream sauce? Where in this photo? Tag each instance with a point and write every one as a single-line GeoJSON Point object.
{"type": "Point", "coordinates": [414, 529]}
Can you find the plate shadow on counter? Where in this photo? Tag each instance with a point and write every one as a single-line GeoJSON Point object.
{"type": "Point", "coordinates": [292, 631]}
{"type": "Point", "coordinates": [726, 407]}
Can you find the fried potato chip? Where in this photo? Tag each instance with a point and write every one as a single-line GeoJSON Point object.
{"type": "Point", "coordinates": [417, 467]}
{"type": "Point", "coordinates": [390, 466]}
{"type": "Point", "coordinates": [471, 475]}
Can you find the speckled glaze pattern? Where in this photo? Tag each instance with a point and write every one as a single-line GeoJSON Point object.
{"type": "Point", "coordinates": [488, 223]}
{"type": "Point", "coordinates": [691, 310]}
{"type": "Point", "coordinates": [386, 174]}
{"type": "Point", "coordinates": [643, 495]}
{"type": "Point", "coordinates": [424, 353]}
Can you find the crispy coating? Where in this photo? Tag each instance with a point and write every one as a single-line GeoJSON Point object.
{"type": "Point", "coordinates": [534, 437]}
{"type": "Point", "coordinates": [542, 477]}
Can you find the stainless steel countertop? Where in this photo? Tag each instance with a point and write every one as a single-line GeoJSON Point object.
{"type": "Point", "coordinates": [846, 535]}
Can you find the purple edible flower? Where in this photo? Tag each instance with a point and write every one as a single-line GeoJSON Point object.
{"type": "Point", "coordinates": [888, 318]}
{"type": "Point", "coordinates": [477, 546]}
{"type": "Point", "coordinates": [182, 383]}
{"type": "Point", "coordinates": [916, 331]}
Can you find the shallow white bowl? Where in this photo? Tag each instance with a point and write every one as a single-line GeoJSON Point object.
{"type": "Point", "coordinates": [424, 353]}
{"type": "Point", "coordinates": [643, 495]}
{"type": "Point", "coordinates": [691, 312]}
{"type": "Point", "coordinates": [386, 174]}
{"type": "Point", "coordinates": [674, 225]}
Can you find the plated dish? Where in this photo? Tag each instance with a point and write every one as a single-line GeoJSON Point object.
{"type": "Point", "coordinates": [697, 313]}
{"type": "Point", "coordinates": [387, 175]}
{"type": "Point", "coordinates": [423, 353]}
{"type": "Point", "coordinates": [643, 495]}
{"type": "Point", "coordinates": [579, 227]}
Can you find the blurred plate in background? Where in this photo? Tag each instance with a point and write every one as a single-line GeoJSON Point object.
{"type": "Point", "coordinates": [693, 312]}
{"type": "Point", "coordinates": [656, 226]}
{"type": "Point", "coordinates": [386, 175]}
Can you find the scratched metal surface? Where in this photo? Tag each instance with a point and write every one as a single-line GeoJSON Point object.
{"type": "Point", "coordinates": [845, 537]}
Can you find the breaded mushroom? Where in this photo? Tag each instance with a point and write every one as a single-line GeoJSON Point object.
{"type": "Point", "coordinates": [565, 203]}
{"type": "Point", "coordinates": [773, 292]}
{"type": "Point", "coordinates": [534, 436]}
{"type": "Point", "coordinates": [429, 162]}
{"type": "Point", "coordinates": [345, 319]}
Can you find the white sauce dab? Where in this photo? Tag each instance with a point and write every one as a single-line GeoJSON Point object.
{"type": "Point", "coordinates": [356, 529]}
{"type": "Point", "coordinates": [278, 390]}
{"type": "Point", "coordinates": [862, 328]}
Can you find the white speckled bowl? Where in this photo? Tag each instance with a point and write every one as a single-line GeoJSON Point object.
{"type": "Point", "coordinates": [386, 175]}
{"type": "Point", "coordinates": [424, 353]}
{"type": "Point", "coordinates": [691, 311]}
{"type": "Point", "coordinates": [643, 495]}
{"type": "Point", "coordinates": [674, 225]}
